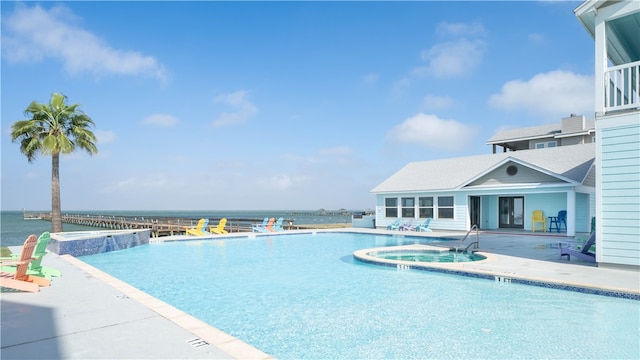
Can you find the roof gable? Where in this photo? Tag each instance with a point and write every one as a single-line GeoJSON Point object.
{"type": "Point", "coordinates": [513, 173]}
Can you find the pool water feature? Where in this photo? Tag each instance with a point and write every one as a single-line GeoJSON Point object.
{"type": "Point", "coordinates": [79, 243]}
{"type": "Point", "coordinates": [303, 297]}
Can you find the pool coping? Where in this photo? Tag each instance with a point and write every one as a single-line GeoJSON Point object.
{"type": "Point", "coordinates": [470, 269]}
{"type": "Point", "coordinates": [213, 336]}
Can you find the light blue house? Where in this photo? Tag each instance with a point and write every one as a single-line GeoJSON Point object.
{"type": "Point", "coordinates": [615, 27]}
{"type": "Point", "coordinates": [494, 191]}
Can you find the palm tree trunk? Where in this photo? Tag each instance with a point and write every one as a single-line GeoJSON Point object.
{"type": "Point", "coordinates": [56, 211]}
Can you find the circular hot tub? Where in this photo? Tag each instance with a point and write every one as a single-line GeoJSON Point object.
{"type": "Point", "coordinates": [426, 256]}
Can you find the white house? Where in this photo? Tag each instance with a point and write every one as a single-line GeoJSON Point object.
{"type": "Point", "coordinates": [615, 27]}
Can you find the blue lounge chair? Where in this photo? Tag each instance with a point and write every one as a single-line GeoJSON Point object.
{"type": "Point", "coordinates": [394, 225]}
{"type": "Point", "coordinates": [567, 249]}
{"type": "Point", "coordinates": [278, 225]}
{"type": "Point", "coordinates": [259, 227]}
{"type": "Point", "coordinates": [424, 226]}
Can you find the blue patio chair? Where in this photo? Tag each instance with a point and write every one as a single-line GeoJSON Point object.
{"type": "Point", "coordinates": [555, 222]}
{"type": "Point", "coordinates": [424, 226]}
{"type": "Point", "coordinates": [394, 225]}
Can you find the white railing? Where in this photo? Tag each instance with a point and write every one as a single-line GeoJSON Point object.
{"type": "Point", "coordinates": [623, 84]}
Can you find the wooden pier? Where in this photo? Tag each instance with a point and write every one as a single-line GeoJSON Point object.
{"type": "Point", "coordinates": [163, 226]}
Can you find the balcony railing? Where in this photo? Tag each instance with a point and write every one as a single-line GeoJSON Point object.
{"type": "Point", "coordinates": [623, 86]}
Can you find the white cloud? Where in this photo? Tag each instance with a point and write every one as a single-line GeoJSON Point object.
{"type": "Point", "coordinates": [243, 108]}
{"type": "Point", "coordinates": [461, 29]}
{"type": "Point", "coordinates": [451, 59]}
{"type": "Point", "coordinates": [33, 34]}
{"type": "Point", "coordinates": [105, 136]}
{"type": "Point", "coordinates": [400, 87]}
{"type": "Point", "coordinates": [146, 183]}
{"type": "Point", "coordinates": [277, 182]}
{"type": "Point", "coordinates": [370, 79]}
{"type": "Point", "coordinates": [535, 38]}
{"type": "Point", "coordinates": [555, 94]}
{"type": "Point", "coordinates": [430, 131]}
{"type": "Point", "coordinates": [338, 150]}
{"type": "Point", "coordinates": [437, 102]}
{"type": "Point", "coordinates": [161, 120]}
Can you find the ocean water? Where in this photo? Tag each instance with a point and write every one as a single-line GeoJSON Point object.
{"type": "Point", "coordinates": [14, 229]}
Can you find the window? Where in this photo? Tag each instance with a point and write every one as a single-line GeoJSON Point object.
{"type": "Point", "coordinates": [542, 145]}
{"type": "Point", "coordinates": [445, 207]}
{"type": "Point", "coordinates": [391, 207]}
{"type": "Point", "coordinates": [408, 207]}
{"type": "Point", "coordinates": [425, 207]}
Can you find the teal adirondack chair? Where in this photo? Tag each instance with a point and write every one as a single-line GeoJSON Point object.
{"type": "Point", "coordinates": [35, 267]}
{"type": "Point", "coordinates": [278, 225]}
{"type": "Point", "coordinates": [424, 226]}
{"type": "Point", "coordinates": [395, 225]}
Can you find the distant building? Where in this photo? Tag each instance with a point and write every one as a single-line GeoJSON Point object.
{"type": "Point", "coordinates": [572, 130]}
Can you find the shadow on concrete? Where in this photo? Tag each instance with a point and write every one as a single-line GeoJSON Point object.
{"type": "Point", "coordinates": [27, 331]}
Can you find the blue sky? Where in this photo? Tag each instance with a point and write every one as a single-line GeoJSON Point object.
{"type": "Point", "coordinates": [278, 105]}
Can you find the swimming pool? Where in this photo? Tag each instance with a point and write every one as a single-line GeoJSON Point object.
{"type": "Point", "coordinates": [303, 297]}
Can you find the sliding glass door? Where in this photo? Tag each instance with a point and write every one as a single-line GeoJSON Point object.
{"type": "Point", "coordinates": [512, 212]}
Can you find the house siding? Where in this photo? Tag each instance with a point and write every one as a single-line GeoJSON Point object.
{"type": "Point", "coordinates": [549, 203]}
{"type": "Point", "coordinates": [583, 212]}
{"type": "Point", "coordinates": [619, 156]}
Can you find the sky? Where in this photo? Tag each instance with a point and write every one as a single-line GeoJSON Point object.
{"type": "Point", "coordinates": [278, 105]}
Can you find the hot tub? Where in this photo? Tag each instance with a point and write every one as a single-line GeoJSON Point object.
{"type": "Point", "coordinates": [427, 256]}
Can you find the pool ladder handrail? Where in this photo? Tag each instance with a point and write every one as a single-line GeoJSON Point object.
{"type": "Point", "coordinates": [476, 243]}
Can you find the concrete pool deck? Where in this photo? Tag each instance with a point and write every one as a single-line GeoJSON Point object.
{"type": "Point", "coordinates": [87, 314]}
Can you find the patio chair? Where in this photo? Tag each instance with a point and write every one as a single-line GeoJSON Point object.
{"type": "Point", "coordinates": [537, 217]}
{"type": "Point", "coordinates": [394, 225]}
{"type": "Point", "coordinates": [35, 266]}
{"type": "Point", "coordinates": [19, 280]}
{"type": "Point", "coordinates": [219, 229]}
{"type": "Point", "coordinates": [555, 222]}
{"type": "Point", "coordinates": [278, 224]}
{"type": "Point", "coordinates": [259, 227]}
{"type": "Point", "coordinates": [407, 226]}
{"type": "Point", "coordinates": [568, 249]}
{"type": "Point", "coordinates": [268, 227]}
{"type": "Point", "coordinates": [199, 229]}
{"type": "Point", "coordinates": [424, 226]}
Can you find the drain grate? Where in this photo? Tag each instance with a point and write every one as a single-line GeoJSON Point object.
{"type": "Point", "coordinates": [197, 342]}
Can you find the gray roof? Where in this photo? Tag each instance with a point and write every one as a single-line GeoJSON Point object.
{"type": "Point", "coordinates": [525, 133]}
{"type": "Point", "coordinates": [565, 162]}
{"type": "Point", "coordinates": [535, 132]}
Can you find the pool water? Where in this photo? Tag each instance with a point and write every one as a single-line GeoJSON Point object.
{"type": "Point", "coordinates": [304, 297]}
{"type": "Point", "coordinates": [427, 256]}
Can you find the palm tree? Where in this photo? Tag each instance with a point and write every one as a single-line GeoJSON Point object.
{"type": "Point", "coordinates": [55, 128]}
